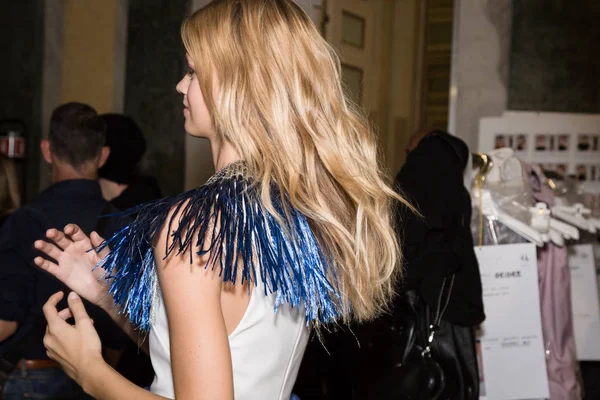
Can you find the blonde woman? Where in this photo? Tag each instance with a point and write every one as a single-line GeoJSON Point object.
{"type": "Point", "coordinates": [292, 232]}
{"type": "Point", "coordinates": [10, 198]}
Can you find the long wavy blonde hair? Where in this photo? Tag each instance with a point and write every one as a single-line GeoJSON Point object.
{"type": "Point", "coordinates": [278, 98]}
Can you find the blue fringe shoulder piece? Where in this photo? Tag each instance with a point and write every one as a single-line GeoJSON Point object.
{"type": "Point", "coordinates": [216, 218]}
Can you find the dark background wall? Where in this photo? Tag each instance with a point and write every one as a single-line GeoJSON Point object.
{"type": "Point", "coordinates": [555, 56]}
{"type": "Point", "coordinates": [155, 63]}
{"type": "Point", "coordinates": [21, 59]}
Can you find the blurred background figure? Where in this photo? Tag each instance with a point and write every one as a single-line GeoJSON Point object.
{"type": "Point", "coordinates": [124, 187]}
{"type": "Point", "coordinates": [122, 184]}
{"type": "Point", "coordinates": [10, 197]}
{"type": "Point", "coordinates": [73, 152]}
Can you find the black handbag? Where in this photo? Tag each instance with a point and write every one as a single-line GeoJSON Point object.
{"type": "Point", "coordinates": [414, 370]}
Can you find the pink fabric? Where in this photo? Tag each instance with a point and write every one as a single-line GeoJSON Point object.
{"type": "Point", "coordinates": [557, 314]}
{"type": "Point", "coordinates": [557, 323]}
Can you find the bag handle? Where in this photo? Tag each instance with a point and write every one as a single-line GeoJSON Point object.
{"type": "Point", "coordinates": [447, 285]}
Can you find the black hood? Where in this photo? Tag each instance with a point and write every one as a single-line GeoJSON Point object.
{"type": "Point", "coordinates": [460, 148]}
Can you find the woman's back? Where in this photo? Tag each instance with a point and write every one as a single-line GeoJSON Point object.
{"type": "Point", "coordinates": [266, 350]}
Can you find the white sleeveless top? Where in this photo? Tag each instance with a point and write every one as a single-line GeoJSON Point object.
{"type": "Point", "coordinates": [266, 350]}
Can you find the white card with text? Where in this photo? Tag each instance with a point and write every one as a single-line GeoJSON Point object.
{"type": "Point", "coordinates": [584, 300]}
{"type": "Point", "coordinates": [511, 342]}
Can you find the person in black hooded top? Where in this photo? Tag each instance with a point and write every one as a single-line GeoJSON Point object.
{"type": "Point", "coordinates": [124, 187]}
{"type": "Point", "coordinates": [121, 183]}
{"type": "Point", "coordinates": [440, 243]}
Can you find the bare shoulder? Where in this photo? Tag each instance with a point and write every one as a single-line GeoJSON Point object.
{"type": "Point", "coordinates": [194, 277]}
{"type": "Point", "coordinates": [180, 255]}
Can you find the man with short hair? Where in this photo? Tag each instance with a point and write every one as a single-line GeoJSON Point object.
{"type": "Point", "coordinates": [75, 149]}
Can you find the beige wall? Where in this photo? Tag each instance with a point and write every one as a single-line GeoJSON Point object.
{"type": "Point", "coordinates": [91, 53]}
{"type": "Point", "coordinates": [389, 60]}
{"type": "Point", "coordinates": [85, 44]}
{"type": "Point", "coordinates": [402, 81]}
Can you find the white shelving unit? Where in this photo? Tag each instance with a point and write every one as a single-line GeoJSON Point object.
{"type": "Point", "coordinates": [561, 142]}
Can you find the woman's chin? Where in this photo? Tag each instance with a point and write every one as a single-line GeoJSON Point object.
{"type": "Point", "coordinates": [195, 133]}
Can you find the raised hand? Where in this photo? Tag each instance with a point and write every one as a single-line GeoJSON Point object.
{"type": "Point", "coordinates": [75, 262]}
{"type": "Point", "coordinates": [75, 347]}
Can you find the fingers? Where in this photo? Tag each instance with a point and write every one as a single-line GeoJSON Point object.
{"type": "Point", "coordinates": [77, 308]}
{"type": "Point", "coordinates": [59, 238]}
{"type": "Point", "coordinates": [76, 234]}
{"type": "Point", "coordinates": [48, 248]}
{"type": "Point", "coordinates": [47, 265]}
{"type": "Point", "coordinates": [50, 311]}
{"type": "Point", "coordinates": [97, 240]}
{"type": "Point", "coordinates": [65, 314]}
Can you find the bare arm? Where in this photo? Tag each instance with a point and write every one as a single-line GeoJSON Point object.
{"type": "Point", "coordinates": [77, 349]}
{"type": "Point", "coordinates": [7, 329]}
{"type": "Point", "coordinates": [200, 353]}
{"type": "Point", "coordinates": [108, 384]}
